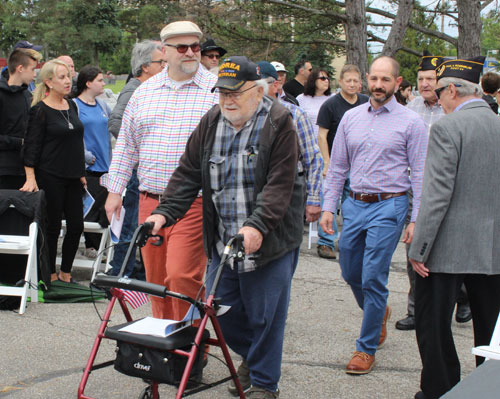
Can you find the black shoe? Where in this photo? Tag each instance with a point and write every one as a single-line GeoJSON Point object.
{"type": "Point", "coordinates": [420, 395]}
{"type": "Point", "coordinates": [406, 324]}
{"type": "Point", "coordinates": [463, 314]}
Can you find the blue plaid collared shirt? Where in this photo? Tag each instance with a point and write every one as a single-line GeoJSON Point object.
{"type": "Point", "coordinates": [232, 164]}
{"type": "Point", "coordinates": [309, 149]}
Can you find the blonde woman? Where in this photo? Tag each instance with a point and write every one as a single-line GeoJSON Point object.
{"type": "Point", "coordinates": [54, 161]}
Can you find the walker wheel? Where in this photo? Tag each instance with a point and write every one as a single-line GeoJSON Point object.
{"type": "Point", "coordinates": [147, 393]}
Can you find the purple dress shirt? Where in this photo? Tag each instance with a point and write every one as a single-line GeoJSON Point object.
{"type": "Point", "coordinates": [377, 146]}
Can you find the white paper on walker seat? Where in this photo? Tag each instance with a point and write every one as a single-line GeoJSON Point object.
{"type": "Point", "coordinates": [156, 327]}
{"type": "Point", "coordinates": [115, 227]}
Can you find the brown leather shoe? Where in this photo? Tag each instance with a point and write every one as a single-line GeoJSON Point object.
{"type": "Point", "coordinates": [361, 363]}
{"type": "Point", "coordinates": [324, 251]}
{"type": "Point", "coordinates": [383, 332]}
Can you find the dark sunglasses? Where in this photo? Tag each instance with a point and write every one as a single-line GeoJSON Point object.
{"type": "Point", "coordinates": [212, 56]}
{"type": "Point", "coordinates": [323, 78]}
{"type": "Point", "coordinates": [440, 89]}
{"type": "Point", "coordinates": [161, 62]}
{"type": "Point", "coordinates": [183, 48]}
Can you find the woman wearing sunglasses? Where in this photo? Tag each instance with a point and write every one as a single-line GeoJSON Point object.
{"type": "Point", "coordinates": [316, 92]}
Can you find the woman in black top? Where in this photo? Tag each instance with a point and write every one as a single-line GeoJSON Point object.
{"type": "Point", "coordinates": [54, 161]}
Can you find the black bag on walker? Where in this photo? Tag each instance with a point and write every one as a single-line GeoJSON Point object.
{"type": "Point", "coordinates": [157, 365]}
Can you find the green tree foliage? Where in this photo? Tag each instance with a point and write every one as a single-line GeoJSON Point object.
{"type": "Point", "coordinates": [266, 31]}
{"type": "Point", "coordinates": [83, 29]}
{"type": "Point", "coordinates": [490, 35]}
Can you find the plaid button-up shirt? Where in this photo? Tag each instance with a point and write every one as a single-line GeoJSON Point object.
{"type": "Point", "coordinates": [156, 125]}
{"type": "Point", "coordinates": [309, 149]}
{"type": "Point", "coordinates": [429, 113]}
{"type": "Point", "coordinates": [232, 165]}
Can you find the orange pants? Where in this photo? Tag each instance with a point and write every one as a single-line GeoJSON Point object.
{"type": "Point", "coordinates": [179, 263]}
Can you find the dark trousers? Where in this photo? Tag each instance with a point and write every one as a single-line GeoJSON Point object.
{"type": "Point", "coordinates": [254, 327]}
{"type": "Point", "coordinates": [62, 196]}
{"type": "Point", "coordinates": [131, 205]}
{"type": "Point", "coordinates": [435, 298]}
{"type": "Point", "coordinates": [97, 213]}
{"type": "Point", "coordinates": [12, 182]}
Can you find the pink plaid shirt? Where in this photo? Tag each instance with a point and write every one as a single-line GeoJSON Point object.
{"type": "Point", "coordinates": [377, 147]}
{"type": "Point", "coordinates": [156, 126]}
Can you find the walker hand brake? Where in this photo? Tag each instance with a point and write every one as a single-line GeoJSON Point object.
{"type": "Point", "coordinates": [144, 235]}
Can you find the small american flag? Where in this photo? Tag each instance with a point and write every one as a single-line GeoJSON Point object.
{"type": "Point", "coordinates": [135, 299]}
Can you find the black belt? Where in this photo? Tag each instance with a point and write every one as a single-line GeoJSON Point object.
{"type": "Point", "coordinates": [374, 197]}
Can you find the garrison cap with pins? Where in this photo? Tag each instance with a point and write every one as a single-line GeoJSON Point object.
{"type": "Point", "coordinates": [429, 62]}
{"type": "Point", "coordinates": [468, 69]}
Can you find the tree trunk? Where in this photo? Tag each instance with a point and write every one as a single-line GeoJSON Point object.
{"type": "Point", "coordinates": [469, 28]}
{"type": "Point", "coordinates": [355, 32]}
{"type": "Point", "coordinates": [400, 25]}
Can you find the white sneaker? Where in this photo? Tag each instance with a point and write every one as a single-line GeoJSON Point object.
{"type": "Point", "coordinates": [90, 253]}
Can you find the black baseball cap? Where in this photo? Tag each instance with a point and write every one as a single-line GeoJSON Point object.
{"type": "Point", "coordinates": [28, 45]}
{"type": "Point", "coordinates": [234, 72]}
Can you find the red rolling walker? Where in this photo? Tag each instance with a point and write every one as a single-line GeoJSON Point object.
{"type": "Point", "coordinates": [180, 348]}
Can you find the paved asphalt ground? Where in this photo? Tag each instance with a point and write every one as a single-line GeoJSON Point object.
{"type": "Point", "coordinates": [44, 351]}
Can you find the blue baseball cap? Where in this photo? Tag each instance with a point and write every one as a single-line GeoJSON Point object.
{"type": "Point", "coordinates": [28, 45]}
{"type": "Point", "coordinates": [267, 70]}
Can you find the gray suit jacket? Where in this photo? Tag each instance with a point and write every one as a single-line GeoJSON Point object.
{"type": "Point", "coordinates": [458, 225]}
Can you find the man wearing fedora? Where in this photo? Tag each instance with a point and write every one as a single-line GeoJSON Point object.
{"type": "Point", "coordinates": [456, 233]}
{"type": "Point", "coordinates": [210, 55]}
{"type": "Point", "coordinates": [156, 125]}
{"type": "Point", "coordinates": [243, 156]}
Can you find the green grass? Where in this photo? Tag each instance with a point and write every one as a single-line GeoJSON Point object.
{"type": "Point", "coordinates": [117, 87]}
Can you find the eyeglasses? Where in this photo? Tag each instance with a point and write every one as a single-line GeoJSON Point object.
{"type": "Point", "coordinates": [323, 78]}
{"type": "Point", "coordinates": [161, 62]}
{"type": "Point", "coordinates": [235, 95]}
{"type": "Point", "coordinates": [212, 56]}
{"type": "Point", "coordinates": [183, 48]}
{"type": "Point", "coordinates": [440, 89]}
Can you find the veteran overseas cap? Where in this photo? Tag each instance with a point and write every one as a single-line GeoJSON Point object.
{"type": "Point", "coordinates": [429, 62]}
{"type": "Point", "coordinates": [235, 71]}
{"type": "Point", "coordinates": [468, 69]}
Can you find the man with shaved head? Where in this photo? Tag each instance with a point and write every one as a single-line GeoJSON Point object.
{"type": "Point", "coordinates": [376, 143]}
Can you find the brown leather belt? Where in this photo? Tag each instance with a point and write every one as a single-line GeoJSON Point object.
{"type": "Point", "coordinates": [374, 197]}
{"type": "Point", "coordinates": [153, 196]}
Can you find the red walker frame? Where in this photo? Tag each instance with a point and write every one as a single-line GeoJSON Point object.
{"type": "Point", "coordinates": [209, 309]}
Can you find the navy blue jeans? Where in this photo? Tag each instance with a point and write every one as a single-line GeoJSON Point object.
{"type": "Point", "coordinates": [369, 238]}
{"type": "Point", "coordinates": [131, 205]}
{"type": "Point", "coordinates": [254, 327]}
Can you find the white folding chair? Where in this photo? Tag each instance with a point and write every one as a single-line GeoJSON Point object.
{"type": "Point", "coordinates": [23, 245]}
{"type": "Point", "coordinates": [313, 234]}
{"type": "Point", "coordinates": [94, 227]}
{"type": "Point", "coordinates": [491, 351]}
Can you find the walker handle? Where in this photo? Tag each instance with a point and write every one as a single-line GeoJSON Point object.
{"type": "Point", "coordinates": [103, 280]}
